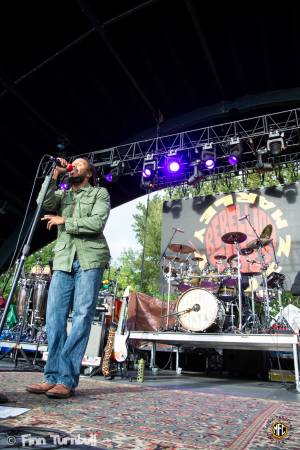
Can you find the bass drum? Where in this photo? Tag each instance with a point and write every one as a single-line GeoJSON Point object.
{"type": "Point", "coordinates": [200, 310]}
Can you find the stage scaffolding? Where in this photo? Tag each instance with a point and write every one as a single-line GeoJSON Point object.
{"type": "Point", "coordinates": [253, 132]}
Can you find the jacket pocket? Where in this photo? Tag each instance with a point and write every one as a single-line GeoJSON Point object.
{"type": "Point", "coordinates": [86, 205]}
{"type": "Point", "coordinates": [59, 246]}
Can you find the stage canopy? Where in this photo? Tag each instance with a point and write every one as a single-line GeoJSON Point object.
{"type": "Point", "coordinates": [86, 75]}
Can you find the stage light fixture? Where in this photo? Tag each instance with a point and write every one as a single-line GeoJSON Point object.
{"type": "Point", "coordinates": [275, 143]}
{"type": "Point", "coordinates": [261, 165]}
{"type": "Point", "coordinates": [149, 169]}
{"type": "Point", "coordinates": [172, 164]}
{"type": "Point", "coordinates": [197, 174]}
{"type": "Point", "coordinates": [208, 156]}
{"type": "Point", "coordinates": [64, 186]}
{"type": "Point", "coordinates": [236, 151]}
{"type": "Point", "coordinates": [112, 173]}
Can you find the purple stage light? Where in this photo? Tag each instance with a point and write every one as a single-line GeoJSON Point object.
{"type": "Point", "coordinates": [233, 160]}
{"type": "Point", "coordinates": [64, 186]}
{"type": "Point", "coordinates": [147, 172]}
{"type": "Point", "coordinates": [173, 165]}
{"type": "Point", "coordinates": [109, 177]}
{"type": "Point", "coordinates": [210, 164]}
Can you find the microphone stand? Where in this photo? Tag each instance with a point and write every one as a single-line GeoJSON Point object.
{"type": "Point", "coordinates": [168, 279]}
{"type": "Point", "coordinates": [25, 251]}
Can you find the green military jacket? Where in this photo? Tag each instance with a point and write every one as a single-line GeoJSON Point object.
{"type": "Point", "coordinates": [85, 213]}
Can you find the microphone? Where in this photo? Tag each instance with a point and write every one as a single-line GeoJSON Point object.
{"type": "Point", "coordinates": [178, 229]}
{"type": "Point", "coordinates": [243, 217]}
{"type": "Point", "coordinates": [68, 167]}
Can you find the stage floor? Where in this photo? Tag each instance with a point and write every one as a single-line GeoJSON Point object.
{"type": "Point", "coordinates": [167, 411]}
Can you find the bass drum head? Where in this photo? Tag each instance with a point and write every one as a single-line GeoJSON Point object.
{"type": "Point", "coordinates": [200, 310]}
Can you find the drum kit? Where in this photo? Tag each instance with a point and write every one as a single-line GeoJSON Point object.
{"type": "Point", "coordinates": [219, 297]}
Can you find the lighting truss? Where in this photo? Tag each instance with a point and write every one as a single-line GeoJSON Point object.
{"type": "Point", "coordinates": [253, 132]}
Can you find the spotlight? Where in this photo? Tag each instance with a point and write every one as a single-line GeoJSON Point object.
{"type": "Point", "coordinates": [197, 174]}
{"type": "Point", "coordinates": [149, 169]}
{"type": "Point", "coordinates": [111, 174]}
{"type": "Point", "coordinates": [172, 165]}
{"type": "Point", "coordinates": [235, 152]}
{"type": "Point", "coordinates": [64, 186]}
{"type": "Point", "coordinates": [261, 165]}
{"type": "Point", "coordinates": [275, 143]}
{"type": "Point", "coordinates": [208, 156]}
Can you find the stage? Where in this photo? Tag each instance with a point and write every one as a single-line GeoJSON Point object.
{"type": "Point", "coordinates": [267, 342]}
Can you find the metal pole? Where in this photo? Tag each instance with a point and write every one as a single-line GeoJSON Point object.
{"type": "Point", "coordinates": [144, 244]}
{"type": "Point", "coordinates": [296, 366]}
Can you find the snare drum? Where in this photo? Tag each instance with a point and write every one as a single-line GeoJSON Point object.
{"type": "Point", "coordinates": [200, 310]}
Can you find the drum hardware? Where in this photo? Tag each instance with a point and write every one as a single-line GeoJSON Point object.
{"type": "Point", "coordinates": [229, 307]}
{"type": "Point", "coordinates": [236, 238]}
{"type": "Point", "coordinates": [231, 258]}
{"type": "Point", "coordinates": [252, 319]}
{"type": "Point", "coordinates": [258, 244]}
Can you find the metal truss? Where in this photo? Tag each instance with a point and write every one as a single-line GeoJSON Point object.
{"type": "Point", "coordinates": [188, 145]}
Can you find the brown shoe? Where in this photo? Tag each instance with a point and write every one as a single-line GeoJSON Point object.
{"type": "Point", "coordinates": [60, 391]}
{"type": "Point", "coordinates": [39, 388]}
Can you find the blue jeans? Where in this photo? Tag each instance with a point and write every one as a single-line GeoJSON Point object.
{"type": "Point", "coordinates": [79, 289]}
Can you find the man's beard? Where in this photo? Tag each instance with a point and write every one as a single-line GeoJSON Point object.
{"type": "Point", "coordinates": [76, 180]}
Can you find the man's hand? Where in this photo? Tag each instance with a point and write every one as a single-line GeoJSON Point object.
{"type": "Point", "coordinates": [58, 170]}
{"type": "Point", "coordinates": [53, 220]}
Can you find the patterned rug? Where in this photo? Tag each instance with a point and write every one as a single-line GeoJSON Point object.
{"type": "Point", "coordinates": [130, 416]}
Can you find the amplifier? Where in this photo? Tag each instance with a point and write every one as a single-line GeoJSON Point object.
{"type": "Point", "coordinates": [95, 344]}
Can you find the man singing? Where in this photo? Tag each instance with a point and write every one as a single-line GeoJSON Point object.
{"type": "Point", "coordinates": [81, 254]}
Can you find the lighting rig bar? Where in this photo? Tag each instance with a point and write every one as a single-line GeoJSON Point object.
{"type": "Point", "coordinates": [255, 133]}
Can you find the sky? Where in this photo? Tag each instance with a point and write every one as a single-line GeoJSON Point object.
{"type": "Point", "coordinates": [118, 229]}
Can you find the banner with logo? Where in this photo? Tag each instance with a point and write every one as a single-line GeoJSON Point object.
{"type": "Point", "coordinates": [201, 222]}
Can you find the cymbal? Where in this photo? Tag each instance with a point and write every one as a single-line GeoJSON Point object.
{"type": "Point", "coordinates": [251, 274]}
{"type": "Point", "coordinates": [220, 257]}
{"type": "Point", "coordinates": [257, 243]}
{"type": "Point", "coordinates": [266, 232]}
{"type": "Point", "coordinates": [246, 251]}
{"type": "Point", "coordinates": [197, 258]}
{"type": "Point", "coordinates": [180, 248]}
{"type": "Point", "coordinates": [175, 259]}
{"type": "Point", "coordinates": [234, 237]}
{"type": "Point", "coordinates": [229, 260]}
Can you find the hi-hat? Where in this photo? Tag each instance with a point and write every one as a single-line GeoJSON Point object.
{"type": "Point", "coordinates": [180, 248]}
{"type": "Point", "coordinates": [220, 257]}
{"type": "Point", "coordinates": [234, 237]}
{"type": "Point", "coordinates": [266, 232]}
{"type": "Point", "coordinates": [231, 258]}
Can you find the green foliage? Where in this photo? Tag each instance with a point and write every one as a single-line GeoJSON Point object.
{"type": "Point", "coordinates": [129, 271]}
{"type": "Point", "coordinates": [41, 257]}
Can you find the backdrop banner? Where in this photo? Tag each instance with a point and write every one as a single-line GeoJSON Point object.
{"type": "Point", "coordinates": [204, 220]}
